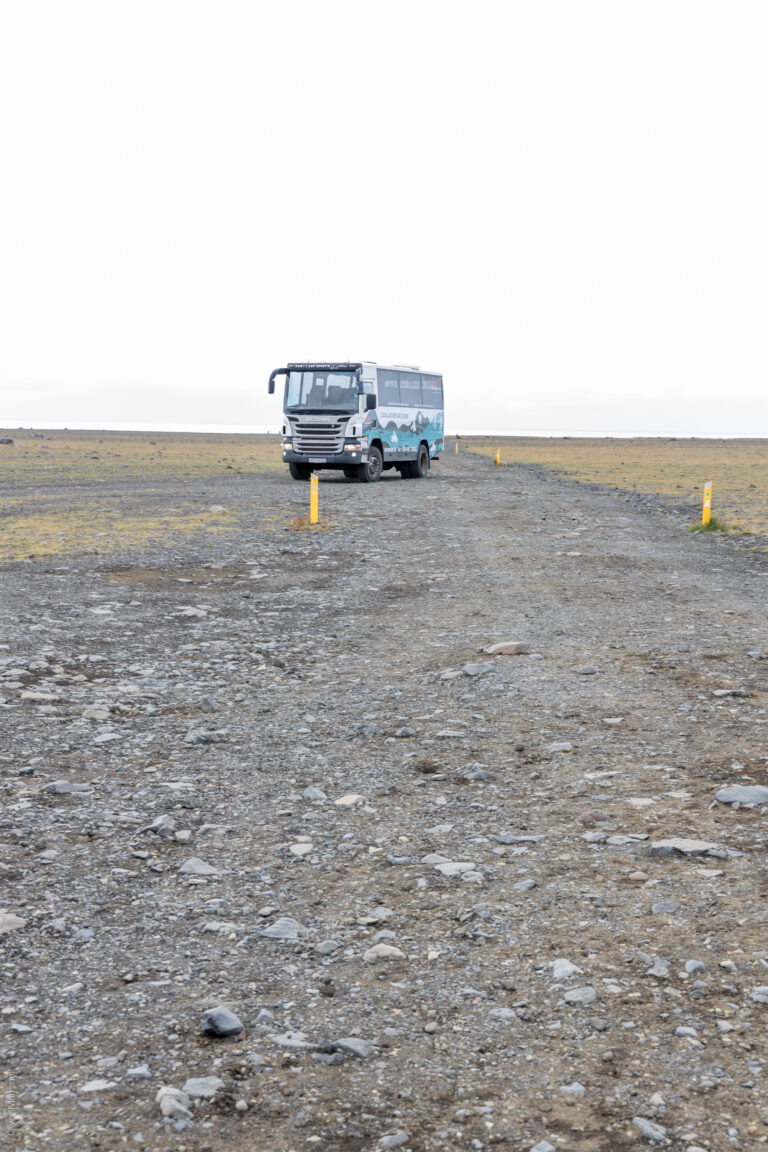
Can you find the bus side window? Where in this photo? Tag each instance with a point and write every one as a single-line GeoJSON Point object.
{"type": "Point", "coordinates": [432, 387]}
{"type": "Point", "coordinates": [388, 388]}
{"type": "Point", "coordinates": [410, 389]}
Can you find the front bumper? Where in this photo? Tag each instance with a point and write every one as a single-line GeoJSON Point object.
{"type": "Point", "coordinates": [339, 460]}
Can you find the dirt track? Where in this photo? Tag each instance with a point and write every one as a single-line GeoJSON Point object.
{"type": "Point", "coordinates": [212, 685]}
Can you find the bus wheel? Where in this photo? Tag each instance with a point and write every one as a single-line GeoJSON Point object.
{"type": "Point", "coordinates": [371, 472]}
{"type": "Point", "coordinates": [300, 471]}
{"type": "Point", "coordinates": [421, 465]}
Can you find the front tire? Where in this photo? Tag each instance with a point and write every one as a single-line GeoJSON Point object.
{"type": "Point", "coordinates": [300, 471]}
{"type": "Point", "coordinates": [370, 472]}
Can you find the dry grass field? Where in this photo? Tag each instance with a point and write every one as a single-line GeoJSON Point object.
{"type": "Point", "coordinates": [64, 493]}
{"type": "Point", "coordinates": [676, 469]}
{"type": "Point", "coordinates": [46, 458]}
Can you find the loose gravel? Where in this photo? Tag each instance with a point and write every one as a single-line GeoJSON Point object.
{"type": "Point", "coordinates": [440, 828]}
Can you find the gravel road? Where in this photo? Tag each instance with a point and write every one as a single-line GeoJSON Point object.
{"type": "Point", "coordinates": [454, 900]}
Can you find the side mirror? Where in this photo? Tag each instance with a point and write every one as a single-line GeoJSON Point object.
{"type": "Point", "coordinates": [370, 401]}
{"type": "Point", "coordinates": [277, 372]}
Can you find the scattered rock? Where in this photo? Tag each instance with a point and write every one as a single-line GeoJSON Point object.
{"type": "Point", "coordinates": [66, 788]}
{"type": "Point", "coordinates": [580, 996]}
{"type": "Point", "coordinates": [649, 1129]}
{"type": "Point", "coordinates": [394, 1140]}
{"type": "Point", "coordinates": [286, 928]}
{"type": "Point", "coordinates": [664, 907]}
{"type": "Point", "coordinates": [508, 648]}
{"type": "Point", "coordinates": [747, 795]}
{"type": "Point", "coordinates": [221, 1022]}
{"type": "Point", "coordinates": [592, 816]}
{"type": "Point", "coordinates": [454, 867]}
{"type": "Point", "coordinates": [97, 1086]}
{"type": "Point", "coordinates": [383, 952]}
{"type": "Point", "coordinates": [481, 669]}
{"type": "Point", "coordinates": [174, 1103]}
{"type": "Point", "coordinates": [10, 923]}
{"type": "Point", "coordinates": [350, 800]}
{"type": "Point", "coordinates": [354, 1046]}
{"type": "Point", "coordinates": [197, 867]}
{"type": "Point", "coordinates": [203, 1086]}
{"type": "Point", "coordinates": [562, 969]}
{"type": "Point", "coordinates": [683, 847]}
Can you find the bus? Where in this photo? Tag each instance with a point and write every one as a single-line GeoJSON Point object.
{"type": "Point", "coordinates": [363, 418]}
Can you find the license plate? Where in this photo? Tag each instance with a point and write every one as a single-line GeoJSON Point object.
{"type": "Point", "coordinates": [318, 459]}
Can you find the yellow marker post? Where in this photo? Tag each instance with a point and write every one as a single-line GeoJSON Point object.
{"type": "Point", "coordinates": [313, 501]}
{"type": "Point", "coordinates": [498, 456]}
{"type": "Point", "coordinates": [457, 447]}
{"type": "Point", "coordinates": [707, 510]}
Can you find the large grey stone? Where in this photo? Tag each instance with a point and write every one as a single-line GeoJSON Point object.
{"type": "Point", "coordinates": [197, 867]}
{"type": "Point", "coordinates": [10, 923]}
{"type": "Point", "coordinates": [649, 1129]}
{"type": "Point", "coordinates": [508, 648]}
{"type": "Point", "coordinates": [562, 969]}
{"type": "Point", "coordinates": [286, 928]}
{"type": "Point", "coordinates": [67, 788]}
{"type": "Point", "coordinates": [205, 1086]}
{"type": "Point", "coordinates": [580, 996]}
{"type": "Point", "coordinates": [746, 794]}
{"type": "Point", "coordinates": [221, 1022]}
{"type": "Point", "coordinates": [355, 1046]}
{"type": "Point", "coordinates": [173, 1103]}
{"type": "Point", "coordinates": [682, 846]}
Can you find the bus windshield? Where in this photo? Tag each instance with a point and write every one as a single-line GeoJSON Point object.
{"type": "Point", "coordinates": [321, 390]}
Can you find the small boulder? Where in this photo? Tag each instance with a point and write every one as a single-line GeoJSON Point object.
{"type": "Point", "coordinates": [383, 952]}
{"type": "Point", "coordinates": [173, 1103]}
{"type": "Point", "coordinates": [203, 1086]}
{"type": "Point", "coordinates": [508, 648]}
{"type": "Point", "coordinates": [221, 1022]}
{"type": "Point", "coordinates": [677, 844]}
{"type": "Point", "coordinates": [747, 794]}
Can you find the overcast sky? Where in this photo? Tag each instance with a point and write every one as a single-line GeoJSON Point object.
{"type": "Point", "coordinates": [562, 206]}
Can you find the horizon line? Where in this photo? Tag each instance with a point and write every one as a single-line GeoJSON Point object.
{"type": "Point", "coordinates": [271, 430]}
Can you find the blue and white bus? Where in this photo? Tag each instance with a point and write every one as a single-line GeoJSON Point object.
{"type": "Point", "coordinates": [364, 418]}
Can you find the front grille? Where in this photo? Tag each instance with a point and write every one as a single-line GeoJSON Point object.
{"type": "Point", "coordinates": [318, 439]}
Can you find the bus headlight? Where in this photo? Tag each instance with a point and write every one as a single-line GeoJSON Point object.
{"type": "Point", "coordinates": [287, 445]}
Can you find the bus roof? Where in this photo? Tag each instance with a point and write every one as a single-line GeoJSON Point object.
{"type": "Point", "coordinates": [353, 366]}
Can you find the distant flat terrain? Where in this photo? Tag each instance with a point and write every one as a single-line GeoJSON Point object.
{"type": "Point", "coordinates": [675, 469]}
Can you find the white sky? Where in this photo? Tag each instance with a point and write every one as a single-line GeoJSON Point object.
{"type": "Point", "coordinates": [563, 206]}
